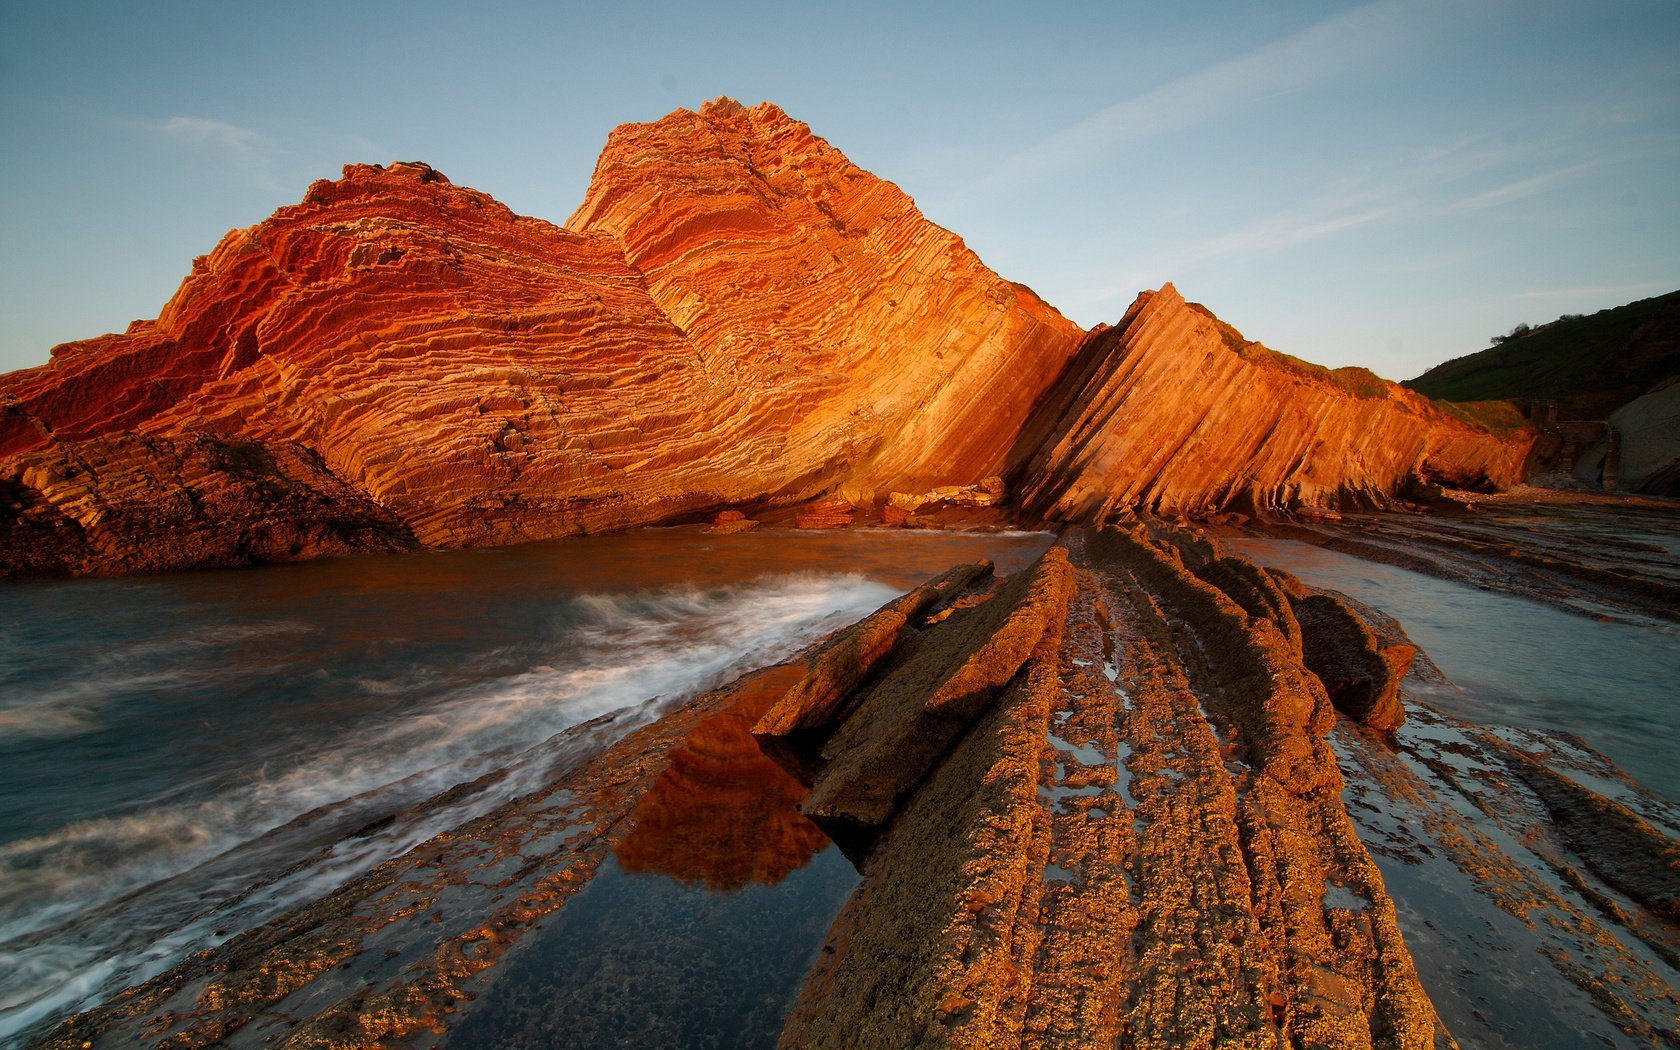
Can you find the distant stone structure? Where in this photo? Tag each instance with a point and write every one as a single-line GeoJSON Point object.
{"type": "Point", "coordinates": [1590, 449]}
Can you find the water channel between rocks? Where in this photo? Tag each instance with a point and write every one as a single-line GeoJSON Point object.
{"type": "Point", "coordinates": [1512, 661]}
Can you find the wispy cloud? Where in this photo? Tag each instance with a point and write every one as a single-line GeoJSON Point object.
{"type": "Point", "coordinates": [1430, 185]}
{"type": "Point", "coordinates": [1267, 236]}
{"type": "Point", "coordinates": [1614, 291]}
{"type": "Point", "coordinates": [215, 133]}
{"type": "Point", "coordinates": [253, 153]}
{"type": "Point", "coordinates": [1301, 60]}
{"type": "Point", "coordinates": [1522, 189]}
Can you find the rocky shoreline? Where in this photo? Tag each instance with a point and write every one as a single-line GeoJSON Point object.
{"type": "Point", "coordinates": [1143, 792]}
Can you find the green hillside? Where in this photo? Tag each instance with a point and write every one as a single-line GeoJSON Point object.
{"type": "Point", "coordinates": [1589, 365]}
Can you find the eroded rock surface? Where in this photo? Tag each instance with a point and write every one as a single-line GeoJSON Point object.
{"type": "Point", "coordinates": [1173, 411]}
{"type": "Point", "coordinates": [131, 503]}
{"type": "Point", "coordinates": [1100, 808]}
{"type": "Point", "coordinates": [883, 349]}
{"type": "Point", "coordinates": [1130, 844]}
{"type": "Point", "coordinates": [737, 315]}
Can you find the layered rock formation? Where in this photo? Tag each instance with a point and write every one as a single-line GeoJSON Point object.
{"type": "Point", "coordinates": [1171, 410]}
{"type": "Point", "coordinates": [856, 324]}
{"type": "Point", "coordinates": [739, 316]}
{"type": "Point", "coordinates": [481, 376]}
{"type": "Point", "coordinates": [736, 317]}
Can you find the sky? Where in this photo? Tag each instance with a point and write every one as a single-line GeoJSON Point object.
{"type": "Point", "coordinates": [1386, 184]}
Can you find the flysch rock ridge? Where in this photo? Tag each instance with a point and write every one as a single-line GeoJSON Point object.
{"type": "Point", "coordinates": [1130, 832]}
{"type": "Point", "coordinates": [1170, 411]}
{"type": "Point", "coordinates": [736, 316]}
{"type": "Point", "coordinates": [1118, 849]}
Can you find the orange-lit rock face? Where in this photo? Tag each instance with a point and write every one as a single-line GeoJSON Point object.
{"type": "Point", "coordinates": [485, 377]}
{"type": "Point", "coordinates": [1163, 412]}
{"type": "Point", "coordinates": [736, 317]}
{"type": "Point", "coordinates": [880, 347]}
{"type": "Point", "coordinates": [741, 316]}
{"type": "Point", "coordinates": [722, 814]}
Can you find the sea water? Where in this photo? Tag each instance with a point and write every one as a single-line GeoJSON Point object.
{"type": "Point", "coordinates": [1516, 662]}
{"type": "Point", "coordinates": [184, 756]}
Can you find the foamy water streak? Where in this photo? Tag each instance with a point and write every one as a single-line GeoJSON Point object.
{"type": "Point", "coordinates": [95, 905]}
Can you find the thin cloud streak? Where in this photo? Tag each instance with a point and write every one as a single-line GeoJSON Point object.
{"type": "Point", "coordinates": [1641, 288]}
{"type": "Point", "coordinates": [218, 133]}
{"type": "Point", "coordinates": [1282, 67]}
{"type": "Point", "coordinates": [253, 153]}
{"type": "Point", "coordinates": [1525, 188]}
{"type": "Point", "coordinates": [1265, 237]}
{"type": "Point", "coordinates": [1407, 192]}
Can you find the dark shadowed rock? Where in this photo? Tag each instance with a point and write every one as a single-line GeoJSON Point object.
{"type": "Point", "coordinates": [1361, 674]}
{"type": "Point", "coordinates": [930, 695]}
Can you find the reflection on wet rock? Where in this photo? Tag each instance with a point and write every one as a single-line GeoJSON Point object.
{"type": "Point", "coordinates": [723, 815]}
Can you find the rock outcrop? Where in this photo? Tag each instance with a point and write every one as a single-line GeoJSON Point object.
{"type": "Point", "coordinates": [481, 376]}
{"type": "Point", "coordinates": [132, 503]}
{"type": "Point", "coordinates": [1107, 846]}
{"type": "Point", "coordinates": [1173, 411]}
{"type": "Point", "coordinates": [1102, 848]}
{"type": "Point", "coordinates": [878, 346]}
{"type": "Point", "coordinates": [736, 318]}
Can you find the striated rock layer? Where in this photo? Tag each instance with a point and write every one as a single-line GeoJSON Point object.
{"type": "Point", "coordinates": [1103, 844]}
{"type": "Point", "coordinates": [1076, 838]}
{"type": "Point", "coordinates": [739, 316]}
{"type": "Point", "coordinates": [1171, 410]}
{"type": "Point", "coordinates": [858, 326]}
{"type": "Point", "coordinates": [736, 317]}
{"type": "Point", "coordinates": [481, 376]}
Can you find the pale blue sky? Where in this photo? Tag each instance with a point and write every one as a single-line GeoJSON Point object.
{"type": "Point", "coordinates": [1385, 184]}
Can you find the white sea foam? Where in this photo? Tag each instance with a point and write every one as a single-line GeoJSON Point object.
{"type": "Point", "coordinates": [44, 718]}
{"type": "Point", "coordinates": [96, 905]}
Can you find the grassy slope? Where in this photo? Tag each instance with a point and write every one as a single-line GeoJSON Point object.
{"type": "Point", "coordinates": [1589, 365]}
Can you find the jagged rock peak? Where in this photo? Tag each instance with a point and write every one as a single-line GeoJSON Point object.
{"type": "Point", "coordinates": [1172, 410]}
{"type": "Point", "coordinates": [404, 178]}
{"type": "Point", "coordinates": [723, 106]}
{"type": "Point", "coordinates": [767, 245]}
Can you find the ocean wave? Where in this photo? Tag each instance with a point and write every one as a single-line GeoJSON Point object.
{"type": "Point", "coordinates": [69, 702]}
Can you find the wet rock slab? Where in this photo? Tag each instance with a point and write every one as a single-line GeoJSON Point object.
{"type": "Point", "coordinates": [1106, 854]}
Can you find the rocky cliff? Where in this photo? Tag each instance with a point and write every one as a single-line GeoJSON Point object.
{"type": "Point", "coordinates": [736, 316]}
{"type": "Point", "coordinates": [481, 376]}
{"type": "Point", "coordinates": [1172, 410]}
{"type": "Point", "coordinates": [847, 320]}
